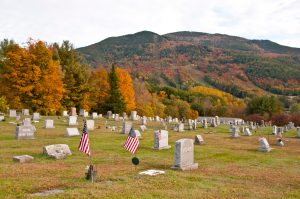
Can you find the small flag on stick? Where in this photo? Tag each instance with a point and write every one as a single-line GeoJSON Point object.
{"type": "Point", "coordinates": [84, 144]}
{"type": "Point", "coordinates": [132, 142]}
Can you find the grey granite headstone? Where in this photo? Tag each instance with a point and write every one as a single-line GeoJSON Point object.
{"type": "Point", "coordinates": [126, 127]}
{"type": "Point", "coordinates": [199, 140]}
{"type": "Point", "coordinates": [161, 140]}
{"type": "Point", "coordinates": [109, 114]}
{"type": "Point", "coordinates": [23, 158]}
{"type": "Point", "coordinates": [72, 132]}
{"type": "Point", "coordinates": [49, 124]}
{"type": "Point", "coordinates": [25, 132]}
{"type": "Point", "coordinates": [264, 145]}
{"type": "Point", "coordinates": [57, 151]}
{"type": "Point", "coordinates": [184, 155]}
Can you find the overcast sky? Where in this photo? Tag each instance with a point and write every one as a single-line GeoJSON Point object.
{"type": "Point", "coordinates": [84, 22]}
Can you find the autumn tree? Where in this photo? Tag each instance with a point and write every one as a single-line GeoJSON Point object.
{"type": "Point", "coordinates": [264, 105]}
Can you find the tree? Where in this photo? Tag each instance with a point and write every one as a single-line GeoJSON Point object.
{"type": "Point", "coordinates": [115, 101]}
{"type": "Point", "coordinates": [3, 104]}
{"type": "Point", "coordinates": [264, 104]}
{"type": "Point", "coordinates": [126, 87]}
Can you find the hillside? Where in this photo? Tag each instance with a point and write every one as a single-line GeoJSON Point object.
{"type": "Point", "coordinates": [182, 59]}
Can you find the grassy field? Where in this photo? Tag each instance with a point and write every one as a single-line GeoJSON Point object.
{"type": "Point", "coordinates": [228, 168]}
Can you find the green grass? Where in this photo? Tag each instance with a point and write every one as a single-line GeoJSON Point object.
{"type": "Point", "coordinates": [228, 168]}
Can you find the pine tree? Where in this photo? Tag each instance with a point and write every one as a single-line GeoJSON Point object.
{"type": "Point", "coordinates": [115, 101]}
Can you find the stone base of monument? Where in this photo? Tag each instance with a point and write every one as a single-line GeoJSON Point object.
{"type": "Point", "coordinates": [263, 149]}
{"type": "Point", "coordinates": [23, 158]}
{"type": "Point", "coordinates": [186, 167]}
{"type": "Point", "coordinates": [161, 148]}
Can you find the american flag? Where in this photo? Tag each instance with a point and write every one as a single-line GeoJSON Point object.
{"type": "Point", "coordinates": [132, 142]}
{"type": "Point", "coordinates": [84, 144]}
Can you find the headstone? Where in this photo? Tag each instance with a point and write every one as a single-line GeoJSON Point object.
{"type": "Point", "coordinates": [279, 131]}
{"type": "Point", "coordinates": [23, 158]}
{"type": "Point", "coordinates": [235, 132]}
{"type": "Point", "coordinates": [73, 111]}
{"type": "Point", "coordinates": [291, 125]}
{"type": "Point", "coordinates": [184, 155]}
{"type": "Point", "coordinates": [194, 124]}
{"type": "Point", "coordinates": [133, 115]}
{"type": "Point", "coordinates": [217, 120]}
{"type": "Point", "coordinates": [36, 116]}
{"type": "Point", "coordinates": [157, 119]}
{"type": "Point", "coordinates": [73, 120]}
{"type": "Point", "coordinates": [126, 127]}
{"type": "Point", "coordinates": [298, 132]}
{"type": "Point", "coordinates": [117, 117]}
{"type": "Point", "coordinates": [57, 151]}
{"type": "Point", "coordinates": [94, 115]}
{"type": "Point", "coordinates": [25, 111]}
{"type": "Point", "coordinates": [161, 140]}
{"type": "Point", "coordinates": [247, 132]}
{"type": "Point", "coordinates": [264, 145]}
{"type": "Point", "coordinates": [27, 121]}
{"type": "Point", "coordinates": [138, 133]}
{"type": "Point", "coordinates": [109, 114]}
{"type": "Point", "coordinates": [199, 140]}
{"type": "Point", "coordinates": [65, 114]}
{"type": "Point", "coordinates": [124, 115]}
{"type": "Point", "coordinates": [213, 122]}
{"type": "Point", "coordinates": [72, 132]}
{"type": "Point", "coordinates": [85, 114]}
{"type": "Point", "coordinates": [274, 132]}
{"type": "Point", "coordinates": [49, 124]}
{"type": "Point", "coordinates": [100, 115]}
{"type": "Point", "coordinates": [25, 132]}
{"type": "Point", "coordinates": [2, 117]}
{"type": "Point", "coordinates": [12, 113]}
{"type": "Point", "coordinates": [204, 122]}
{"type": "Point", "coordinates": [179, 127]}
{"type": "Point", "coordinates": [144, 121]}
{"type": "Point", "coordinates": [143, 128]}
{"type": "Point", "coordinates": [90, 124]}
{"type": "Point", "coordinates": [279, 142]}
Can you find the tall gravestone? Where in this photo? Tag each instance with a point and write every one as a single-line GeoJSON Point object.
{"type": "Point", "coordinates": [213, 122]}
{"type": "Point", "coordinates": [161, 140]}
{"type": "Point", "coordinates": [109, 114]}
{"type": "Point", "coordinates": [247, 132]}
{"type": "Point", "coordinates": [204, 123]}
{"type": "Point", "coordinates": [94, 115]}
{"type": "Point", "coordinates": [184, 155]}
{"type": "Point", "coordinates": [73, 111]}
{"type": "Point", "coordinates": [133, 115]}
{"type": "Point", "coordinates": [274, 132]}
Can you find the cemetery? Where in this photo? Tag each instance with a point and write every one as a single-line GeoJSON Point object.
{"type": "Point", "coordinates": [36, 160]}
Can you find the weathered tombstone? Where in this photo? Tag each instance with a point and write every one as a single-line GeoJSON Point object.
{"type": "Point", "coordinates": [235, 132]}
{"type": "Point", "coordinates": [65, 114]}
{"type": "Point", "coordinates": [81, 112]}
{"type": "Point", "coordinates": [73, 120]}
{"type": "Point", "coordinates": [247, 132]}
{"type": "Point", "coordinates": [204, 123]}
{"type": "Point", "coordinates": [90, 124]}
{"type": "Point", "coordinates": [124, 115]}
{"type": "Point", "coordinates": [274, 132]}
{"type": "Point", "coordinates": [179, 127]}
{"type": "Point", "coordinates": [49, 124]}
{"type": "Point", "coordinates": [94, 115]}
{"type": "Point", "coordinates": [12, 113]}
{"type": "Point", "coordinates": [298, 132]}
{"type": "Point", "coordinates": [27, 121]}
{"type": "Point", "coordinates": [126, 127]}
{"type": "Point", "coordinates": [161, 140]}
{"type": "Point", "coordinates": [2, 117]}
{"type": "Point", "coordinates": [143, 128]}
{"type": "Point", "coordinates": [217, 120]}
{"type": "Point", "coordinates": [279, 131]}
{"type": "Point", "coordinates": [157, 119]}
{"type": "Point", "coordinates": [279, 142]}
{"type": "Point", "coordinates": [133, 115]}
{"type": "Point", "coordinates": [85, 114]}
{"type": "Point", "coordinates": [25, 132]}
{"type": "Point", "coordinates": [113, 116]}
{"type": "Point", "coordinates": [117, 117]}
{"type": "Point", "coordinates": [57, 151]}
{"type": "Point", "coordinates": [184, 155]}
{"type": "Point", "coordinates": [199, 140]}
{"type": "Point", "coordinates": [23, 158]}
{"type": "Point", "coordinates": [36, 116]}
{"type": "Point", "coordinates": [72, 132]}
{"type": "Point", "coordinates": [144, 121]}
{"type": "Point", "coordinates": [251, 126]}
{"type": "Point", "coordinates": [213, 122]}
{"type": "Point", "coordinates": [109, 114]}
{"type": "Point", "coordinates": [291, 125]}
{"type": "Point", "coordinates": [264, 145]}
{"type": "Point", "coordinates": [138, 133]}
{"type": "Point", "coordinates": [73, 111]}
{"type": "Point", "coordinates": [25, 111]}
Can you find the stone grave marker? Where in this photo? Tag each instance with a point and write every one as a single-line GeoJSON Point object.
{"type": "Point", "coordinates": [117, 117]}
{"type": "Point", "coordinates": [2, 117]}
{"type": "Point", "coordinates": [57, 151]}
{"type": "Point", "coordinates": [138, 133]}
{"type": "Point", "coordinates": [143, 128]}
{"type": "Point", "coordinates": [213, 122]}
{"type": "Point", "coordinates": [36, 116]}
{"type": "Point", "coordinates": [94, 115]}
{"type": "Point", "coordinates": [274, 132]}
{"type": "Point", "coordinates": [184, 155]}
{"type": "Point", "coordinates": [279, 142]}
{"type": "Point", "coordinates": [109, 114]}
{"type": "Point", "coordinates": [12, 113]}
{"type": "Point", "coordinates": [264, 145]}
{"type": "Point", "coordinates": [49, 124]}
{"type": "Point", "coordinates": [161, 140]}
{"type": "Point", "coordinates": [157, 119]}
{"type": "Point", "coordinates": [73, 120]}
{"type": "Point", "coordinates": [25, 132]}
{"type": "Point", "coordinates": [72, 132]}
{"type": "Point", "coordinates": [279, 131]}
{"type": "Point", "coordinates": [179, 127]}
{"type": "Point", "coordinates": [25, 111]}
{"type": "Point", "coordinates": [126, 127]}
{"type": "Point", "coordinates": [204, 122]}
{"type": "Point", "coordinates": [90, 124]}
{"type": "Point", "coordinates": [247, 132]}
{"type": "Point", "coordinates": [27, 121]}
{"type": "Point", "coordinates": [199, 140]}
{"type": "Point", "coordinates": [23, 158]}
{"type": "Point", "coordinates": [144, 121]}
{"type": "Point", "coordinates": [235, 132]}
{"type": "Point", "coordinates": [133, 115]}
{"type": "Point", "coordinates": [73, 111]}
{"type": "Point", "coordinates": [65, 114]}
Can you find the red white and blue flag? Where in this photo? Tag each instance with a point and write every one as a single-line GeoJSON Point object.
{"type": "Point", "coordinates": [132, 142]}
{"type": "Point", "coordinates": [84, 144]}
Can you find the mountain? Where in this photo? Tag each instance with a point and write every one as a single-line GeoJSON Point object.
{"type": "Point", "coordinates": [233, 64]}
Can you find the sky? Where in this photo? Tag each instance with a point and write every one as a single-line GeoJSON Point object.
{"type": "Point", "coordinates": [84, 22]}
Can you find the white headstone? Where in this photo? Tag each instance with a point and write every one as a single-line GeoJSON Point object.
{"type": "Point", "coordinates": [2, 117]}
{"type": "Point", "coordinates": [247, 132]}
{"type": "Point", "coordinates": [65, 114]}
{"type": "Point", "coordinates": [235, 132]}
{"type": "Point", "coordinates": [36, 116]}
{"type": "Point", "coordinates": [279, 142]}
{"type": "Point", "coordinates": [179, 127]}
{"type": "Point", "coordinates": [138, 133]}
{"type": "Point", "coordinates": [157, 119]}
{"type": "Point", "coordinates": [143, 128]}
{"type": "Point", "coordinates": [109, 114]}
{"type": "Point", "coordinates": [25, 111]}
{"type": "Point", "coordinates": [12, 113]}
{"type": "Point", "coordinates": [27, 121]}
{"type": "Point", "coordinates": [94, 115]}
{"type": "Point", "coordinates": [23, 158]}
{"type": "Point", "coordinates": [264, 145]}
{"type": "Point", "coordinates": [90, 124]}
{"type": "Point", "coordinates": [161, 140]}
{"type": "Point", "coordinates": [184, 155]}
{"type": "Point", "coordinates": [298, 132]}
{"type": "Point", "coordinates": [72, 132]}
{"type": "Point", "coordinates": [199, 140]}
{"type": "Point", "coordinates": [73, 120]}
{"type": "Point", "coordinates": [49, 124]}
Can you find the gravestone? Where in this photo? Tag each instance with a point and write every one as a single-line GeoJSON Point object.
{"type": "Point", "coordinates": [235, 132]}
{"type": "Point", "coordinates": [199, 140]}
{"type": "Point", "coordinates": [184, 155]}
{"type": "Point", "coordinates": [72, 132]}
{"type": "Point", "coordinates": [126, 127]}
{"type": "Point", "coordinates": [138, 133]}
{"type": "Point", "coordinates": [81, 112]}
{"type": "Point", "coordinates": [23, 158]}
{"type": "Point", "coordinates": [73, 120]}
{"type": "Point", "coordinates": [298, 132]}
{"type": "Point", "coordinates": [2, 117]}
{"type": "Point", "coordinates": [274, 132]}
{"type": "Point", "coordinates": [179, 127]}
{"type": "Point", "coordinates": [247, 132]}
{"type": "Point", "coordinates": [109, 114]}
{"type": "Point", "coordinates": [117, 117]}
{"type": "Point", "coordinates": [27, 121]}
{"type": "Point", "coordinates": [157, 119]}
{"type": "Point", "coordinates": [279, 142]}
{"type": "Point", "coordinates": [204, 122]}
{"type": "Point", "coordinates": [25, 132]}
{"type": "Point", "coordinates": [100, 116]}
{"type": "Point", "coordinates": [94, 115]}
{"type": "Point", "coordinates": [124, 115]}
{"type": "Point", "coordinates": [161, 140]}
{"type": "Point", "coordinates": [49, 124]}
{"type": "Point", "coordinates": [194, 124]}
{"type": "Point", "coordinates": [25, 111]}
{"type": "Point", "coordinates": [65, 114]}
{"type": "Point", "coordinates": [291, 125]}
{"type": "Point", "coordinates": [213, 122]}
{"type": "Point", "coordinates": [90, 124]}
{"type": "Point", "coordinates": [57, 151]}
{"type": "Point", "coordinates": [12, 113]}
{"type": "Point", "coordinates": [85, 114]}
{"type": "Point", "coordinates": [264, 145]}
{"type": "Point", "coordinates": [133, 115]}
{"type": "Point", "coordinates": [217, 120]}
{"type": "Point", "coordinates": [144, 121]}
{"type": "Point", "coordinates": [279, 131]}
{"type": "Point", "coordinates": [73, 111]}
{"type": "Point", "coordinates": [36, 116]}
{"type": "Point", "coordinates": [143, 128]}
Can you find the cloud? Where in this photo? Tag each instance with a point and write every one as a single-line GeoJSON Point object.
{"type": "Point", "coordinates": [84, 22]}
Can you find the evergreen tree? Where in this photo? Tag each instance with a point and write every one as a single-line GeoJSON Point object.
{"type": "Point", "coordinates": [115, 101]}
